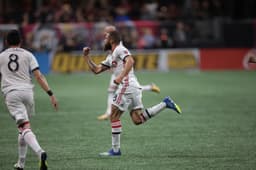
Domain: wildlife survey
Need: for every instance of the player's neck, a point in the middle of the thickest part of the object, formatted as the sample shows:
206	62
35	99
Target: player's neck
113	46
14	46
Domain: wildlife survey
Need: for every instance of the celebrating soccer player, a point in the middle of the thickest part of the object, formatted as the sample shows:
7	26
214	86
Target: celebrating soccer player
113	87
128	94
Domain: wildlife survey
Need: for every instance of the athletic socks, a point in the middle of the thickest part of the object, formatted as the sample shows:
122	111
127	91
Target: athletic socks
31	140
152	111
22	151
116	133
110	100
146	88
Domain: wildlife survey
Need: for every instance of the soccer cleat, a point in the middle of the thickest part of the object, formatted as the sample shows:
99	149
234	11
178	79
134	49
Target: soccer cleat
103	117
17	167
43	163
171	104
155	88
111	153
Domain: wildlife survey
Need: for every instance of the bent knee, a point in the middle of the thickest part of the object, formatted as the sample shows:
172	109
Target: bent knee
136	118
23	125
137	121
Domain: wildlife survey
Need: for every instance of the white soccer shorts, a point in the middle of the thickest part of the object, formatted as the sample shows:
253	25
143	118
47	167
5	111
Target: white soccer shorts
20	104
128	101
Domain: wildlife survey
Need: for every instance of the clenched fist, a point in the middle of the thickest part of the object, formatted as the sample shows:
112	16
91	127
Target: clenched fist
86	51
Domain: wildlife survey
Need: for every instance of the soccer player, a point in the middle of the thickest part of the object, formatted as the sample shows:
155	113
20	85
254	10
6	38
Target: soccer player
16	66
113	87
128	95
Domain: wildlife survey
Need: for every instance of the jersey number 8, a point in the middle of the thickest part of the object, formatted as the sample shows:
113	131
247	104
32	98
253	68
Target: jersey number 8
13	64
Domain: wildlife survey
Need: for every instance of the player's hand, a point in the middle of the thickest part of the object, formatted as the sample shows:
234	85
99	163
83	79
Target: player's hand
86	51
54	102
118	80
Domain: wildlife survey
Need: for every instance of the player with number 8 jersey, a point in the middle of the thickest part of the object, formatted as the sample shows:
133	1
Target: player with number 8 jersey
16	67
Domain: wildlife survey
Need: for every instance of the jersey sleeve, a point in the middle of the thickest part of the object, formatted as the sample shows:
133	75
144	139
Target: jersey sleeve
122	52
33	62
107	62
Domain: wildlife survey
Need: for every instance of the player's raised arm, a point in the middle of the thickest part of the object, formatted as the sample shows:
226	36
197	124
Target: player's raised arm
44	84
93	67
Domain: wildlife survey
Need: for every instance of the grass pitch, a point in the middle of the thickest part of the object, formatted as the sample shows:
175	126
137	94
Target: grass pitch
217	129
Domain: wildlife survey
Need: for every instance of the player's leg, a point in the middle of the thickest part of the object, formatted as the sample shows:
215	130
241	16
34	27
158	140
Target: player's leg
31	140
22	152
150	87
120	104
107	113
18	111
111	91
116	129
139	116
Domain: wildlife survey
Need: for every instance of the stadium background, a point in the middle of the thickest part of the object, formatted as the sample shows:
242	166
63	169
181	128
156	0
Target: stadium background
195	50
56	26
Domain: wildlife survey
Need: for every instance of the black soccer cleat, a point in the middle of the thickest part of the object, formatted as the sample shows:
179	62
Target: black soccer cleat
43	163
17	167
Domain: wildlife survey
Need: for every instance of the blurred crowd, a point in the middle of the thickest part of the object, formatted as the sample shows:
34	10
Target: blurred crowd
46	23
32	11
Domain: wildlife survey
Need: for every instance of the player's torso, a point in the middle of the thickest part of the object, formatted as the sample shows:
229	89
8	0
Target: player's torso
15	69
118	63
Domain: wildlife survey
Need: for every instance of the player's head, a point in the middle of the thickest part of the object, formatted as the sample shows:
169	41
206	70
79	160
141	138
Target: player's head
13	38
112	38
109	29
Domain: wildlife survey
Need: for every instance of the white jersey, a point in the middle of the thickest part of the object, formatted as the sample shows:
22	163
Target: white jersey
16	65
115	60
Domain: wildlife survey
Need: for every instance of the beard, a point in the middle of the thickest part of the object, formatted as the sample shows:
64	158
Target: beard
107	46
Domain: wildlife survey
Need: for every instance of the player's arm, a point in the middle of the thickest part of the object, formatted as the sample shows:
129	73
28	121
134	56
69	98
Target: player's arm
93	67
129	61
44	84
252	59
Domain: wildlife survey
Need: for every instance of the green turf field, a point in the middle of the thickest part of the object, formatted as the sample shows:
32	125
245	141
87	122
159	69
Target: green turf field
217	129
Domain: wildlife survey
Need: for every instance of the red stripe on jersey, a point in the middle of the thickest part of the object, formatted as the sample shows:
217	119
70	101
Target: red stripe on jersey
125	85
119	97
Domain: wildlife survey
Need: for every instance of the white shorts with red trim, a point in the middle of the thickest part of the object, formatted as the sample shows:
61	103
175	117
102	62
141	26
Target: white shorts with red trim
128	101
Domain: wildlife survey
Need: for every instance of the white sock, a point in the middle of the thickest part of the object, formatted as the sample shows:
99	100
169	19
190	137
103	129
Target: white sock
22	150
116	134
152	111
32	142
146	87
116	142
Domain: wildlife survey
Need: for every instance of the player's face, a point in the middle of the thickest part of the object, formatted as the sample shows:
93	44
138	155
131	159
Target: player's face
107	44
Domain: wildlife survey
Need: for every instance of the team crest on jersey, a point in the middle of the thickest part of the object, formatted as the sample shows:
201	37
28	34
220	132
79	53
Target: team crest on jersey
114	63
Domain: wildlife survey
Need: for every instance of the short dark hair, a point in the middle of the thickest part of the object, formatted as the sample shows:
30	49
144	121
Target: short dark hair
13	37
115	36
